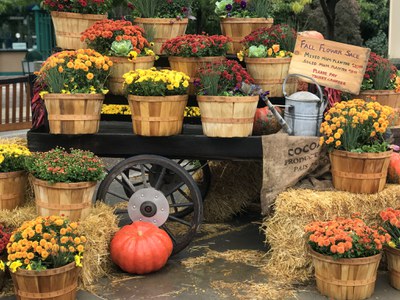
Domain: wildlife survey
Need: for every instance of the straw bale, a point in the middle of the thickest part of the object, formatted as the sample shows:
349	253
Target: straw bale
14	218
284	231
14	140
234	186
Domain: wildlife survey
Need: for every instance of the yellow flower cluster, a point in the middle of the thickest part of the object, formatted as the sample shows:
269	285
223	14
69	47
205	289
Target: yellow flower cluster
153	82
192	111
12	157
263	52
80	71
115	109
148	52
45	243
349	125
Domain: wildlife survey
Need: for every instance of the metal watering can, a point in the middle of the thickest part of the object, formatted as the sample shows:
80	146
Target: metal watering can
303	111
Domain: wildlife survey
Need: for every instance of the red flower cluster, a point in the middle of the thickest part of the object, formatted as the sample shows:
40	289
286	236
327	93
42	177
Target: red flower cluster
280	34
103	33
5	234
345	238
231	76
374	62
78	6
196	45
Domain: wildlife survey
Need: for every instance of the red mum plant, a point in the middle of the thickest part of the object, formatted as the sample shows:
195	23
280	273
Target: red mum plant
196	45
224	78
78	6
116	38
5	234
345	238
391	222
380	74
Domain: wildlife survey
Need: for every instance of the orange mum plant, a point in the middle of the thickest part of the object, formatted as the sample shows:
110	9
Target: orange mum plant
45	243
345	238
391	222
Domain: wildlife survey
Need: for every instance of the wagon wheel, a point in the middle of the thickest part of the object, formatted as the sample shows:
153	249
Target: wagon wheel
160	191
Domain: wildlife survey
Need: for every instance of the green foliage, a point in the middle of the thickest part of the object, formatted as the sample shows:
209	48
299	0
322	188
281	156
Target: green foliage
55	80
146	8
374	148
378	44
374	17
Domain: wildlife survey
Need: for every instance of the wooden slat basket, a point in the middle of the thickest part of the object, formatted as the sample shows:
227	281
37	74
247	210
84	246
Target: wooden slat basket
122	65
73	113
270	73
345	279
393	261
52	284
73	200
12	189
359	172
224	116
157	115
69	26
162	29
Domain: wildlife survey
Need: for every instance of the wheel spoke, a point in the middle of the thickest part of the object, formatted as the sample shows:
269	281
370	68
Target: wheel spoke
160	178
181	204
171	235
118	196
174	203
185	195
128	182
179	220
120	211
174	188
144	176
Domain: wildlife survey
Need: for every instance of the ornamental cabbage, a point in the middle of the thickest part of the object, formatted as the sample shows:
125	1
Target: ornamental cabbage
258	51
121	48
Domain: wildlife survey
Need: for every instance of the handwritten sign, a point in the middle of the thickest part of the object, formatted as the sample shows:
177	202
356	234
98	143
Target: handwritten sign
331	64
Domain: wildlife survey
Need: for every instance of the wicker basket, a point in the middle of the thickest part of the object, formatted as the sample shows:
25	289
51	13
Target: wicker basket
238	28
347	278
162	29
224	116
157	116
73	113
12	189
122	65
393	261
72	200
69	26
359	172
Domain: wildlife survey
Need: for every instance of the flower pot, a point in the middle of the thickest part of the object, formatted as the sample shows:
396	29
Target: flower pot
393	261
162	29
270	73
359	172
224	116
69	26
72	200
190	66
12	189
346	278
55	284
73	113
157	115
384	97
238	28
122	65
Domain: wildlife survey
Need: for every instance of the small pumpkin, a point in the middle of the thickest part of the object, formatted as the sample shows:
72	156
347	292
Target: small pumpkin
394	168
140	248
312	34
265	121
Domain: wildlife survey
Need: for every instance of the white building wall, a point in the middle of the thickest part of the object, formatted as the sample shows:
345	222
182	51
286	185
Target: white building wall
394	30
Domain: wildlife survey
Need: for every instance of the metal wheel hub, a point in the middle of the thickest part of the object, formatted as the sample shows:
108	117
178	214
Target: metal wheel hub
148	205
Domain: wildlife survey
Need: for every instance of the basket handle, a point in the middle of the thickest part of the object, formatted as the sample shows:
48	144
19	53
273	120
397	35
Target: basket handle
321	95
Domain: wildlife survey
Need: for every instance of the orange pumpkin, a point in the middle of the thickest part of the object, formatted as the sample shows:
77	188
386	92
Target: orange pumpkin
140	248
394	168
312	34
265	121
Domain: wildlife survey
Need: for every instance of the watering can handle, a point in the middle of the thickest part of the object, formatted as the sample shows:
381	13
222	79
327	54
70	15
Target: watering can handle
321	95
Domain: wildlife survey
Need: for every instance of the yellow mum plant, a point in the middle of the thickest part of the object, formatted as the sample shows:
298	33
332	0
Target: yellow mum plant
12	157
45	243
356	126
79	71
153	82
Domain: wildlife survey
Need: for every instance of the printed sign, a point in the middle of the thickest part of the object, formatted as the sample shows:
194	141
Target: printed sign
331	64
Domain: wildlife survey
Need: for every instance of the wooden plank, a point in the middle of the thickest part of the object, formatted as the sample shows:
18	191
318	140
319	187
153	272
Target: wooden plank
28	102
15	126
21	101
1	103
331	64
7	102
14	103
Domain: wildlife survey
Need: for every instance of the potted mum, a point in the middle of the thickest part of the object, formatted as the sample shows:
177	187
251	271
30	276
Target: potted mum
13	178
64	182
5	234
354	132
267	53
240	17
226	99
162	19
71	17
391	223
126	46
74	90
381	83
187	53
43	258
157	100
345	255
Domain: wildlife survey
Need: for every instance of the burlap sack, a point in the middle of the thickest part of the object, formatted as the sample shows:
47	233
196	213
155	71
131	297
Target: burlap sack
286	160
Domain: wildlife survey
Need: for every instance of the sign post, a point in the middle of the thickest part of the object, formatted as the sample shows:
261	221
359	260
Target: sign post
331	64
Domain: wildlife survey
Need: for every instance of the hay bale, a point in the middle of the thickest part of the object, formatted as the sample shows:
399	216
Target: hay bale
14	218
234	186
284	231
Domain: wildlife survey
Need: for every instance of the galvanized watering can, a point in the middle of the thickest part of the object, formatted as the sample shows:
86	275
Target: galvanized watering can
303	111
